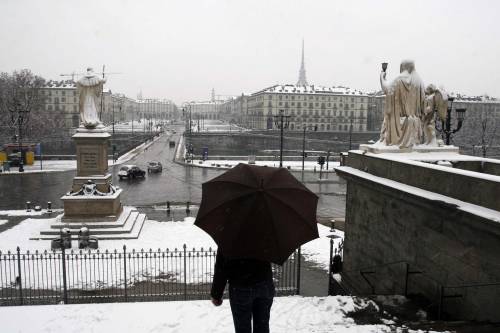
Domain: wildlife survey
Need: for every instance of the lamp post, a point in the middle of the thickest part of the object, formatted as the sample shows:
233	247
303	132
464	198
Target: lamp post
350	133
19	117
303	146
446	124
113	119
282	122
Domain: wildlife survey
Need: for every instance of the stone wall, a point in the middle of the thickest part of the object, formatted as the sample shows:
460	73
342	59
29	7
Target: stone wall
389	230
66	146
268	142
480	191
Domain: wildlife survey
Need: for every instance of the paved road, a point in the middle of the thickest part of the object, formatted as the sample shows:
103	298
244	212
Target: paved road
177	183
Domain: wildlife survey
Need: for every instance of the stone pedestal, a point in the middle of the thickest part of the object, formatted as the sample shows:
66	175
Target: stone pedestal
92	194
379	149
78	208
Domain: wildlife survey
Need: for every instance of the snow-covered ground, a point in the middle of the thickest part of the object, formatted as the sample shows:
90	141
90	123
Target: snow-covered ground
294	165
23	212
288	314
155	235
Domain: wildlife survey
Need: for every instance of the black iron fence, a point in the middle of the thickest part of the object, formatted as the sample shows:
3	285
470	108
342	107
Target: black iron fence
93	276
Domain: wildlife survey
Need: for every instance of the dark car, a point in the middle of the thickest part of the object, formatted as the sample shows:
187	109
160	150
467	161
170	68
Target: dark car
130	171
14	159
154	167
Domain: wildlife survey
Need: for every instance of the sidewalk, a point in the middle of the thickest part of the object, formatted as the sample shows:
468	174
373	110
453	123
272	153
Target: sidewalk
309	166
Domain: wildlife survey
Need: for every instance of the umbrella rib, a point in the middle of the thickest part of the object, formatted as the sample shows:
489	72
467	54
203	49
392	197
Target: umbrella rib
286	204
274	229
228	201
231	182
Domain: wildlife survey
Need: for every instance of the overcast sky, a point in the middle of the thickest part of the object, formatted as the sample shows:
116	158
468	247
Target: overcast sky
182	49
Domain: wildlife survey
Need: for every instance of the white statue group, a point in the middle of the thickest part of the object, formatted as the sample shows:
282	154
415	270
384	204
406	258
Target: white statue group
409	113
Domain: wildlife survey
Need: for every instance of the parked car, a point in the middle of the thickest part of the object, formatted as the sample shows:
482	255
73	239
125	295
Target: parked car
14	159
130	171
154	167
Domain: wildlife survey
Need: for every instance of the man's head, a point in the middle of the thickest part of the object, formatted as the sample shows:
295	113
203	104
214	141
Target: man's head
90	70
407	65
430	89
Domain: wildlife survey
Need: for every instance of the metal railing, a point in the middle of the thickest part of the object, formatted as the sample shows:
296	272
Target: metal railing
93	276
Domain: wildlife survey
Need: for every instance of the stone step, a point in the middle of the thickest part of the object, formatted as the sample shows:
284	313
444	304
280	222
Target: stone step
120	222
133	234
126	227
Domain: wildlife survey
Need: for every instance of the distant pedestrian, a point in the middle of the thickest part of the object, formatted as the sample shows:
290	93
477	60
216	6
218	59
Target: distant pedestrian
251	291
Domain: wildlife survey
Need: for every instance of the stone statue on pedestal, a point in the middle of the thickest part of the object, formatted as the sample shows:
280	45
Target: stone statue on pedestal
436	100
404	104
89	91
410	114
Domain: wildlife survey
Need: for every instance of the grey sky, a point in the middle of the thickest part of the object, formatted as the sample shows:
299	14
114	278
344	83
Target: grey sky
181	49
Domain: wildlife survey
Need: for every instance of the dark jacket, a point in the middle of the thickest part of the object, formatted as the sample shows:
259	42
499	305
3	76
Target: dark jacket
238	272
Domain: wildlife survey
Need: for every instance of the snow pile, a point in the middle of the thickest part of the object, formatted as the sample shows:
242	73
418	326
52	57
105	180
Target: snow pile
293	165
23	212
3	221
288	314
318	250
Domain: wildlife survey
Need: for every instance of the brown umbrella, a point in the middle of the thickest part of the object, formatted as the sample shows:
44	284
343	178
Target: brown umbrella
258	212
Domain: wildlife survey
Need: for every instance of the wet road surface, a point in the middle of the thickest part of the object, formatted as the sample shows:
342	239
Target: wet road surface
177	183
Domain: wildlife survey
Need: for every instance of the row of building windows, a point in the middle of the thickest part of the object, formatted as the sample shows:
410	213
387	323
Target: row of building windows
327	127
50	92
361	106
335	113
310	97
318	98
62	100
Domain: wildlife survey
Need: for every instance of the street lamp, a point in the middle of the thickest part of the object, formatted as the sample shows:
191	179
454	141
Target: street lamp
446	124
282	122
350	133
19	117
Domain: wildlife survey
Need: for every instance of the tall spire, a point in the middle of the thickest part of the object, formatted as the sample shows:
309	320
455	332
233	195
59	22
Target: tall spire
302	72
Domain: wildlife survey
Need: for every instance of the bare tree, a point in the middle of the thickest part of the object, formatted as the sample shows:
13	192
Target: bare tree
485	125
22	97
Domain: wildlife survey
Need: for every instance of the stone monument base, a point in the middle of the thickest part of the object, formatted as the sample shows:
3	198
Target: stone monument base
379	149
81	207
91	152
103	183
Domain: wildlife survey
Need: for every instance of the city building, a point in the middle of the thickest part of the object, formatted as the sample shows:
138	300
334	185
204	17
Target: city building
158	109
313	107
61	97
481	127
206	110
375	117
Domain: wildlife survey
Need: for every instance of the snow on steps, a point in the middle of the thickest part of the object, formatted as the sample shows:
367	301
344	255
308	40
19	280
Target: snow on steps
128	226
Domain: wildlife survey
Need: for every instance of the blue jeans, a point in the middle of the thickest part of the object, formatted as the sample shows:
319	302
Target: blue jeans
253	301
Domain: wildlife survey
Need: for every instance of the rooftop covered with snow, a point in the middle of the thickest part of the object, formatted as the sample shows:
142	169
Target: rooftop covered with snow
310	89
